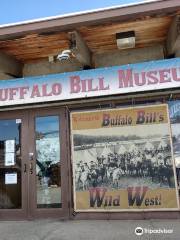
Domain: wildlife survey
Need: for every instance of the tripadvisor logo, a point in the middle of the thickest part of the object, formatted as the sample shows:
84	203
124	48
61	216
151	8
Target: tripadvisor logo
139	231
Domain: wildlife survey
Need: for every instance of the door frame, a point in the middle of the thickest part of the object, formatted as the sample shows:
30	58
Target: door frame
12	214
33	211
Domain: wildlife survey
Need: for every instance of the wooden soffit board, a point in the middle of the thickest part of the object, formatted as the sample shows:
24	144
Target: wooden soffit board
99	38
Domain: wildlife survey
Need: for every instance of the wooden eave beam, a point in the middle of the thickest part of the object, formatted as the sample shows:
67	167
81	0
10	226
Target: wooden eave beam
72	21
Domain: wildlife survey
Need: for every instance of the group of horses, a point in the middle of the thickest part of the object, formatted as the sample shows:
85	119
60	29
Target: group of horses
109	170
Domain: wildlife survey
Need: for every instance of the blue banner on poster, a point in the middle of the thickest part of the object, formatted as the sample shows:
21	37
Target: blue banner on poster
174	112
140	77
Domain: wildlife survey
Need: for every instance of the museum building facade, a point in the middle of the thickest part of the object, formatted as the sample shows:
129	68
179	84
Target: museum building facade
90	114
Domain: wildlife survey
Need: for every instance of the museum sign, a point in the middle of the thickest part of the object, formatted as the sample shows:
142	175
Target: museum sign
140	77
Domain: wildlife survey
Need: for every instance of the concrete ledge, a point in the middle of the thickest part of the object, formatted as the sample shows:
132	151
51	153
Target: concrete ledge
88	230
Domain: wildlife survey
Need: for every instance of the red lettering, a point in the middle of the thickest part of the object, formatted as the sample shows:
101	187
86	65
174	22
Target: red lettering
35	92
56	89
175	75
75	84
4	94
106	119
12	93
138	81
125	78
45	91
23	91
90	85
152	78
101	84
164	75
83	85
138	197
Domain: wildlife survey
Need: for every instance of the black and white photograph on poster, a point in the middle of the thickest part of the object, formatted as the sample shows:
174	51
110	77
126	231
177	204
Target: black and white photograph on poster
116	158
174	112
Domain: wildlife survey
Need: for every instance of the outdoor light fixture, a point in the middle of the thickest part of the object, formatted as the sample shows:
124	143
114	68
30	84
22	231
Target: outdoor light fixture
125	40
64	55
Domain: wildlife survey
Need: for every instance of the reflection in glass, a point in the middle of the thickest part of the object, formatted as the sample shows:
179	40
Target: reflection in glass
48	162
10	164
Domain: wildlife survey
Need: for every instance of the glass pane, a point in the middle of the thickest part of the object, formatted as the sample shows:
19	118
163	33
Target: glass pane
48	177
10	164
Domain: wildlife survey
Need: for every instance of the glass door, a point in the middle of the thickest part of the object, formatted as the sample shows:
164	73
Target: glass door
13	165
48	164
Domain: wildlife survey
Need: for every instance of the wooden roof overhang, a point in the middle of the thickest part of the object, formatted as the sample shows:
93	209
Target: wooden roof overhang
36	40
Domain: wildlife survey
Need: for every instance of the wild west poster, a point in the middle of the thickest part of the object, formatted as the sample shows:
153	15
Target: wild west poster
122	160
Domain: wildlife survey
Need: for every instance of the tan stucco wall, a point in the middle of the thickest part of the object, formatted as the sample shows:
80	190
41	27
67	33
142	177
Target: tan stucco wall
99	60
129	56
44	67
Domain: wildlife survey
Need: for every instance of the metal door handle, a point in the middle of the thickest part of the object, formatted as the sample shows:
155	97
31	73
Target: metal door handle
31	168
31	156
